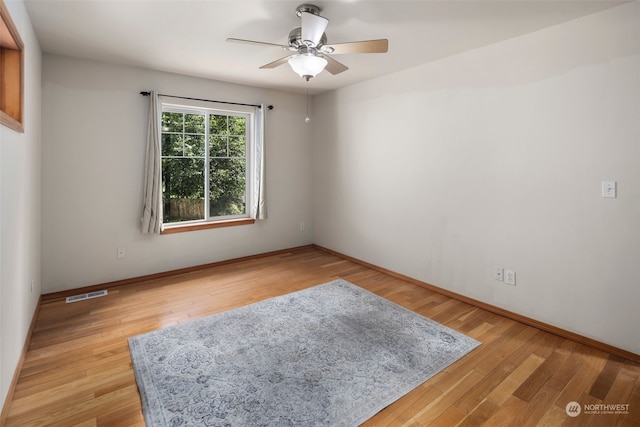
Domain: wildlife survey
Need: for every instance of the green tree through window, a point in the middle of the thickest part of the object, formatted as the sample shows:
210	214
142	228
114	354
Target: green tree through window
204	164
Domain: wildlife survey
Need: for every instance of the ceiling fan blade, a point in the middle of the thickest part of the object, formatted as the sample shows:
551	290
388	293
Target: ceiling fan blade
366	46
232	40
277	62
313	27
333	66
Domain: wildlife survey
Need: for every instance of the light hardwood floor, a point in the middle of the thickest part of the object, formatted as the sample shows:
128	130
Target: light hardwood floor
77	371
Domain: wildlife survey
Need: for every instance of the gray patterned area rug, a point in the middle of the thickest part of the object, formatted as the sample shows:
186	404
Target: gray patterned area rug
331	355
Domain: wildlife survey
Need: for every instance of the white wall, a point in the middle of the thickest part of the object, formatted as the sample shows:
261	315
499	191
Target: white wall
20	193
495	157
94	129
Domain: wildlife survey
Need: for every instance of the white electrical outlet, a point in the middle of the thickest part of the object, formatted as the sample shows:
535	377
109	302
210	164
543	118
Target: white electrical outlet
498	274
122	252
302	226
510	277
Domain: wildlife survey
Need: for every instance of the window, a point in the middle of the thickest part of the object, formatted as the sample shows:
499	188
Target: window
206	164
11	73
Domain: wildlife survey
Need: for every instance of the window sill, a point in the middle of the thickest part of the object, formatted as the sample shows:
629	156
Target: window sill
206	225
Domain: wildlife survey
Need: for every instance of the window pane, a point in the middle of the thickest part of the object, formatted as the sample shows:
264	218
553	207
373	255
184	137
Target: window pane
218	125
186	152
236	146
183	189
171	144
194	145
218	146
227	189
172	122
194	123
237	125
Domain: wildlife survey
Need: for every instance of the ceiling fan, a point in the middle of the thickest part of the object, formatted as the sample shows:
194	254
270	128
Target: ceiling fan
309	44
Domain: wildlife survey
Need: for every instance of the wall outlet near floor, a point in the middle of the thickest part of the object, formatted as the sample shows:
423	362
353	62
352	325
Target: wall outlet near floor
498	274
510	277
302	226
122	252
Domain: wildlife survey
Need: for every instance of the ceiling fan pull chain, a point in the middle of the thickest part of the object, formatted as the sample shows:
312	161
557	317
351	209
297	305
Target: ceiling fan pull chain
307	119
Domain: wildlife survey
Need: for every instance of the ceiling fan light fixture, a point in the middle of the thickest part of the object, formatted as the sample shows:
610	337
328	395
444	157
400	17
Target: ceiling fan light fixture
308	43
307	65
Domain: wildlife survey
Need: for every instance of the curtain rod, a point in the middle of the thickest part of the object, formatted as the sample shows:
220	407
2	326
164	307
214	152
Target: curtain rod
270	107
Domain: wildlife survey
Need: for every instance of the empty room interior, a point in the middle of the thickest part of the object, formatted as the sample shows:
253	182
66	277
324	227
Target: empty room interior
464	170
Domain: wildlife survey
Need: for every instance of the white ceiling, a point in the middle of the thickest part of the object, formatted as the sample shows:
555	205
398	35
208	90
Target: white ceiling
189	37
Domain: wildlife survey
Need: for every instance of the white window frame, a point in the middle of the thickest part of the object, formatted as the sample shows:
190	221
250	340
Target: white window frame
209	108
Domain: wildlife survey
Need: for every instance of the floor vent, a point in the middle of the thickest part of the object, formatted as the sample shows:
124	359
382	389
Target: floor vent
83	297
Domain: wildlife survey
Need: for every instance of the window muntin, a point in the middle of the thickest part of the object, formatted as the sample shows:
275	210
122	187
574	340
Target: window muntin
205	157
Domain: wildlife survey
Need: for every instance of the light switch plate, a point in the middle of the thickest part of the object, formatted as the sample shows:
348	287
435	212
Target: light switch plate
609	189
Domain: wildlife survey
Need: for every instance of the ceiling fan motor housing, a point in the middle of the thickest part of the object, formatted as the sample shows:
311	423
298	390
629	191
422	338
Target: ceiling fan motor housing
309	8
295	39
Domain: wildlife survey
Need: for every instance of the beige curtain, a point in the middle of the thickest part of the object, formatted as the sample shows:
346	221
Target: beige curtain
151	221
260	208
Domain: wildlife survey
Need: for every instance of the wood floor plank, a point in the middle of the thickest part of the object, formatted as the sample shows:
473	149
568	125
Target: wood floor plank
128	415
554	417
413	401
506	412
451	417
536	408
591	362
475	395
561	377
620	393
500	393
480	414
77	370
539	377
606	378
436	407
585	419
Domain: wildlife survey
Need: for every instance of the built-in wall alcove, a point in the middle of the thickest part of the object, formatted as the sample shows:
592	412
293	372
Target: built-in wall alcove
11	73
